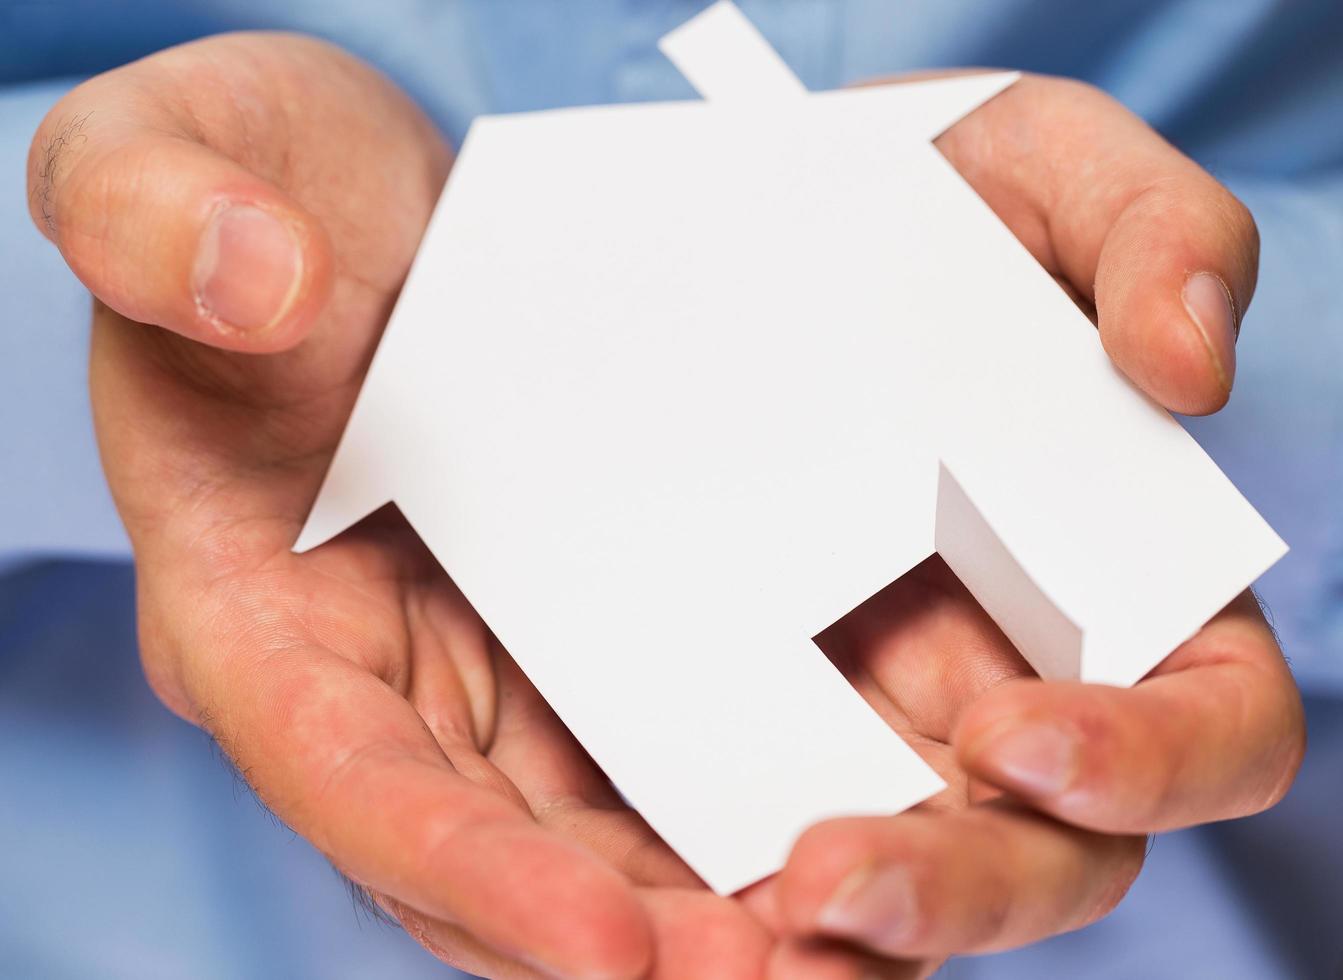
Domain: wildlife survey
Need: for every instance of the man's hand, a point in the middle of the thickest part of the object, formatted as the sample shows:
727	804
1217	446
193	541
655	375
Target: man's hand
1165	260
259	198
1052	786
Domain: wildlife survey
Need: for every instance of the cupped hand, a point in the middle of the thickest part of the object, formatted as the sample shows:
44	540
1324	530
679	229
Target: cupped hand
245	208
1053	786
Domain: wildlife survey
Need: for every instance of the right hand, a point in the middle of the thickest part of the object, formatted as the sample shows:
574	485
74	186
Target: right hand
244	209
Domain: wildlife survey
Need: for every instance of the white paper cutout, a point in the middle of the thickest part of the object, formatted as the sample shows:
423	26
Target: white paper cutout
673	387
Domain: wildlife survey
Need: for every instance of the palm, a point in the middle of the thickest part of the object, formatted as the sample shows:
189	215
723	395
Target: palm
215	455
368	614
374	600
243	442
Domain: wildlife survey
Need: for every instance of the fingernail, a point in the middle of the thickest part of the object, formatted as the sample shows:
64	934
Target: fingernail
875	906
248	268
1038	760
1208	302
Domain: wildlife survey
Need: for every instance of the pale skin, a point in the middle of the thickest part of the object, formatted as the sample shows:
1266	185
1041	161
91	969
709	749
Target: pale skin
371	709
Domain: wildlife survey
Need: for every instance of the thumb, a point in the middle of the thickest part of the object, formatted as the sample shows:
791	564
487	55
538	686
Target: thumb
1167	255
1174	275
166	230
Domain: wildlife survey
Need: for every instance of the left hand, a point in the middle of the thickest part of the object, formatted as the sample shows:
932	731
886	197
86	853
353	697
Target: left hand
1054	785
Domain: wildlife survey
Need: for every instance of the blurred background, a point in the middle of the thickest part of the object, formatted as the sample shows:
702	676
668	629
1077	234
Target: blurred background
128	848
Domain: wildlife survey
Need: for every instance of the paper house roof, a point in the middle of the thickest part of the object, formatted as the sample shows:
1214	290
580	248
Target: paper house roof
673	387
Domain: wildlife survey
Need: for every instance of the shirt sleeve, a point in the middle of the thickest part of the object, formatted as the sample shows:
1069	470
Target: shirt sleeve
55	498
1281	437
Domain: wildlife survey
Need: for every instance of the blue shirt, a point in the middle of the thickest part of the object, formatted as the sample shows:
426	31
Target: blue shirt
119	806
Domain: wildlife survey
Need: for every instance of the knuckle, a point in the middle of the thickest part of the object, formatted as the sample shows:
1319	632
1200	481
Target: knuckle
1295	755
1131	855
192	625
49	159
1244	232
1126	777
349	765
928	911
997	888
73	131
1242	221
446	943
1073	92
813	842
88	192
1286	758
162	680
160	662
832	845
1164	797
1270	722
985	926
225	551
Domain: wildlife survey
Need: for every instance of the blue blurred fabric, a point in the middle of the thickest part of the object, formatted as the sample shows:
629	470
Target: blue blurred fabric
128	850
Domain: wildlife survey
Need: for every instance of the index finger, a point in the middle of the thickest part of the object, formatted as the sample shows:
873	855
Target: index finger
349	764
1217	731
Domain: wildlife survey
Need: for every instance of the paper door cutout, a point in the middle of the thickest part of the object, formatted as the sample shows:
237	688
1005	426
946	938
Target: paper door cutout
673	387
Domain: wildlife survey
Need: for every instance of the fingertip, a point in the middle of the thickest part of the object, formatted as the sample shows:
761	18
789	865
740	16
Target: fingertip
1076	752
997	709
861	880
891	886
899	889
1167	290
1208	303
821	859
1185	366
168	232
1027	739
1175	369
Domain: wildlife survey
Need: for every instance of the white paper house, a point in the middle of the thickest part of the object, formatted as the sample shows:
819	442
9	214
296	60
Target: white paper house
673	387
